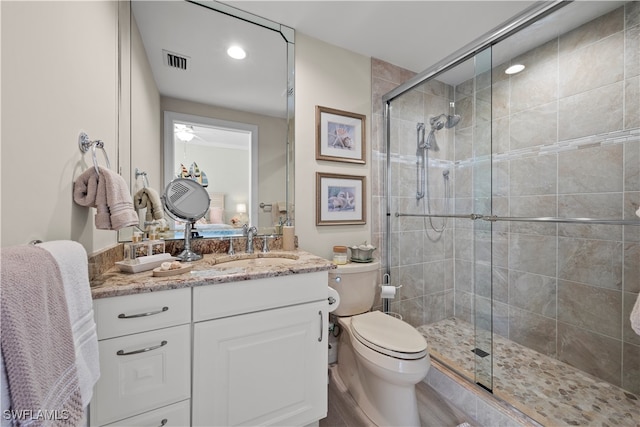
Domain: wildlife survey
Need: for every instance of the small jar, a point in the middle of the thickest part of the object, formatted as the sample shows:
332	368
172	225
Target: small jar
339	255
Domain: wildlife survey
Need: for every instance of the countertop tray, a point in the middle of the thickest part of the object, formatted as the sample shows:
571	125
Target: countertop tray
164	273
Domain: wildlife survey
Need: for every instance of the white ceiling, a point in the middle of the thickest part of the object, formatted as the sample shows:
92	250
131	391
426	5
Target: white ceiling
257	84
410	34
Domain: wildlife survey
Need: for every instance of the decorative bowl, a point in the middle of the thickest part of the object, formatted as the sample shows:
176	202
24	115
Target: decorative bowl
362	253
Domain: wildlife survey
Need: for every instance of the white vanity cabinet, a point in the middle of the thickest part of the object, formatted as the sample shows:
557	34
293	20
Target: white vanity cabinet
260	352
144	342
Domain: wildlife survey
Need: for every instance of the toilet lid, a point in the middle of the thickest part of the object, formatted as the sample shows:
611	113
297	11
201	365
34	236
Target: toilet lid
388	335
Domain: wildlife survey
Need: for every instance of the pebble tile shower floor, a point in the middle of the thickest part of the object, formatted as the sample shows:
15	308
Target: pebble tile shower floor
547	390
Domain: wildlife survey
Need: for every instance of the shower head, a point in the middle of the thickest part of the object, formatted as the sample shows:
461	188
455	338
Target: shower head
444	121
452	121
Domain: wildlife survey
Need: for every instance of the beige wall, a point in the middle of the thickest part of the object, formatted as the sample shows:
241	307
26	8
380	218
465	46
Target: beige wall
330	77
56	83
59	77
146	117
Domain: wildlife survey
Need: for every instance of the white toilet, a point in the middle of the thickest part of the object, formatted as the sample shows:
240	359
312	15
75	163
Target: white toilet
380	358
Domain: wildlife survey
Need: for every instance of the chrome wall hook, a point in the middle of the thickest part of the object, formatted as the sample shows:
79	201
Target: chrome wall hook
84	143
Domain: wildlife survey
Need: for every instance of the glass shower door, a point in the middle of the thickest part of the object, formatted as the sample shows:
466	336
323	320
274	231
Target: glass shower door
483	233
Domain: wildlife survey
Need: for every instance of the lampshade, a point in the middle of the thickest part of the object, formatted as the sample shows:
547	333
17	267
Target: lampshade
241	208
184	136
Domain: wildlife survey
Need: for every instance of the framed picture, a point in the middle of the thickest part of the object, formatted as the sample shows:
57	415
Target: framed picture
340	136
340	199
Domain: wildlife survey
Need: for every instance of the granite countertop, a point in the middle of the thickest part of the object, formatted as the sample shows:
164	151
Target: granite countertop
207	271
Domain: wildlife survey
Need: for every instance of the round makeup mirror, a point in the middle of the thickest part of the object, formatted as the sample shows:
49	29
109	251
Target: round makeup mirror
186	200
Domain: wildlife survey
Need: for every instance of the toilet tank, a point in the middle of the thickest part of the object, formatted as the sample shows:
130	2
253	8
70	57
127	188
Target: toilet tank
356	284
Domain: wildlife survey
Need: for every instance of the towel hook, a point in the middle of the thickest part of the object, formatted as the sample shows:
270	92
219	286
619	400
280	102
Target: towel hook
84	143
145	179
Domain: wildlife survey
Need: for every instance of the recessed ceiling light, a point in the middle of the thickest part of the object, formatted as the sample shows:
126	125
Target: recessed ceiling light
515	68
236	52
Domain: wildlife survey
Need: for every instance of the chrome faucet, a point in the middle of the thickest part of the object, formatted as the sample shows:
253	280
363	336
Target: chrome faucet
249	232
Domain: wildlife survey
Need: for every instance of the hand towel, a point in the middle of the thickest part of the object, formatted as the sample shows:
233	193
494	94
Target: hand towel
71	258
149	198
109	194
119	200
278	211
36	339
635	316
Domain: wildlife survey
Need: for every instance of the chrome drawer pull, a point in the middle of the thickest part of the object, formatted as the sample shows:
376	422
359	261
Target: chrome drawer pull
150	313
144	350
163	422
321	323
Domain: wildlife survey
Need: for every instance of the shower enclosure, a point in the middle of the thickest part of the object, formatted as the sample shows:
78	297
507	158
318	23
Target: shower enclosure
510	203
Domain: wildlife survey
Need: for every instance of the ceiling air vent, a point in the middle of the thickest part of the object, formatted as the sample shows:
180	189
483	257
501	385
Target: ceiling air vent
175	60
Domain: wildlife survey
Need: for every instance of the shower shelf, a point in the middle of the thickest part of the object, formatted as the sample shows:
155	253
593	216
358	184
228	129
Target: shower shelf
493	218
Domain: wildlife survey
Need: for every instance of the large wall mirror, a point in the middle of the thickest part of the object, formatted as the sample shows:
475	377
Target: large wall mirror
197	112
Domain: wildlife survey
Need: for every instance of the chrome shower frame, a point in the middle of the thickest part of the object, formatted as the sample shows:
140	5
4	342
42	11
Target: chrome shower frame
527	17
530	15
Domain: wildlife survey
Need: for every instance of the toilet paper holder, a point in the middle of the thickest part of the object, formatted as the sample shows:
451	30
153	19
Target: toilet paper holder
397	287
385	282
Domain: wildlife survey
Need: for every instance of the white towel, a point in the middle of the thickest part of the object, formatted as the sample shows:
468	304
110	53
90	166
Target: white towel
635	316
72	260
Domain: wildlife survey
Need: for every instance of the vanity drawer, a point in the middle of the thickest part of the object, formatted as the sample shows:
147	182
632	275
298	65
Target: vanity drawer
130	314
230	299
176	415
142	372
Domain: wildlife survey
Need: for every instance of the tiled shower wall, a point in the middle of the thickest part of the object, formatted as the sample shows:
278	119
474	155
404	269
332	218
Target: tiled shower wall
566	143
422	263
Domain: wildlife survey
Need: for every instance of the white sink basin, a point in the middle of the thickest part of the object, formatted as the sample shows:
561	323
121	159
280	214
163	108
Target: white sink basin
257	262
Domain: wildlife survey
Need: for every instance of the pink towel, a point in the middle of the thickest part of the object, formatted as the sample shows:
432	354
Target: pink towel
109	194
37	342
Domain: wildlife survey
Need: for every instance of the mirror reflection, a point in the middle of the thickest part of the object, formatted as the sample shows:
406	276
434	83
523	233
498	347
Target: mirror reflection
219	120
219	155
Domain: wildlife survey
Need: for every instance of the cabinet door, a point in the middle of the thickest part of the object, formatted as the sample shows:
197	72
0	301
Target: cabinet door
264	368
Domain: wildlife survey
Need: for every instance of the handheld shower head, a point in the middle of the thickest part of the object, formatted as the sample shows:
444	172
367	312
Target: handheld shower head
444	121
431	143
437	122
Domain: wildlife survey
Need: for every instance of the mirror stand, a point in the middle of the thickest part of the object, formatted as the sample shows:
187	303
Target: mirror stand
187	254
186	200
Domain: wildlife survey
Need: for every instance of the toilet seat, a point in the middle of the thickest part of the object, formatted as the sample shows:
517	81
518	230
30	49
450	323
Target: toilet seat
388	335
